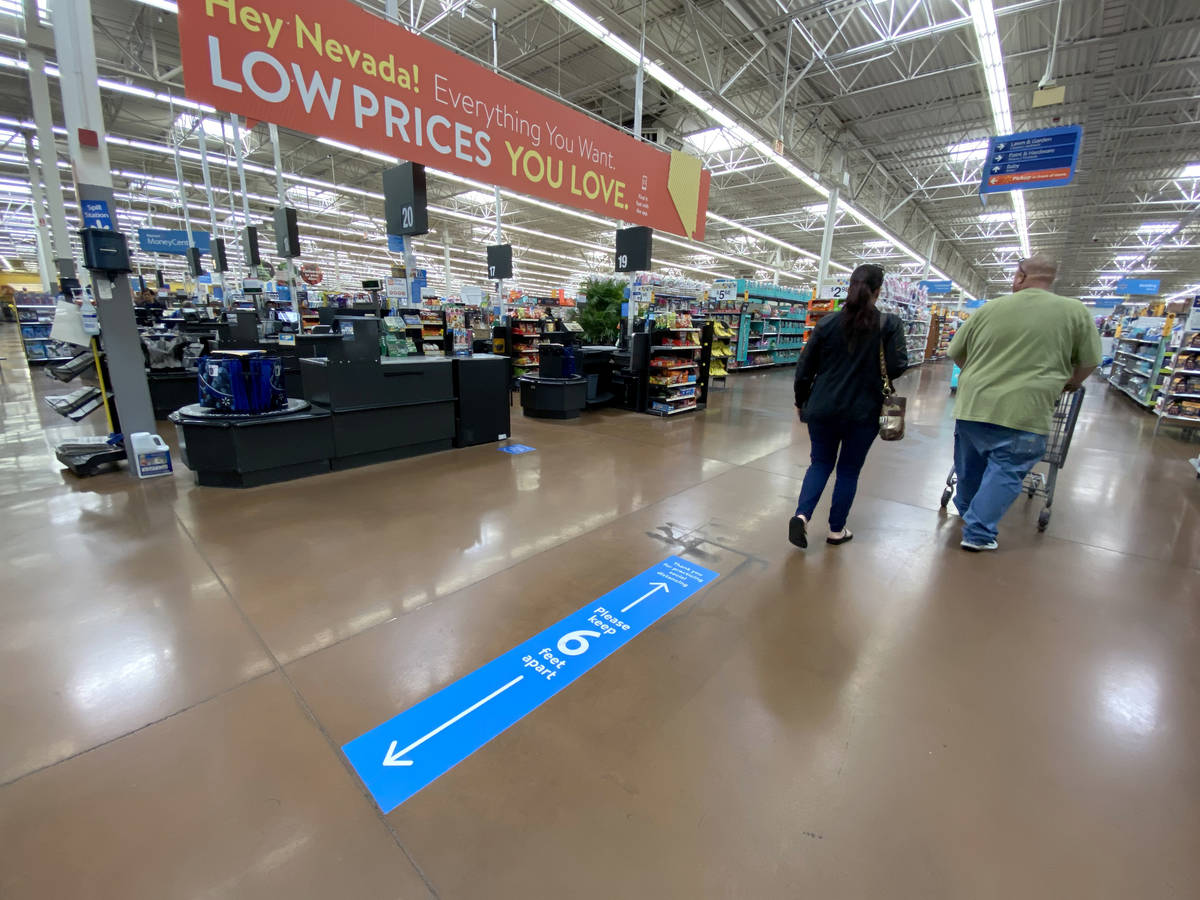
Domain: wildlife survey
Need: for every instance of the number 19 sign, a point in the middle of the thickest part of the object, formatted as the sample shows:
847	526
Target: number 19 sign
405	753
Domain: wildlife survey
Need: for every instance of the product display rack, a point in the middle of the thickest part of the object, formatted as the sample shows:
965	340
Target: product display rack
433	332
947	324
1138	354
917	335
725	324
669	292
910	302
1179	403
677	376
35	321
523	335
771	327
817	310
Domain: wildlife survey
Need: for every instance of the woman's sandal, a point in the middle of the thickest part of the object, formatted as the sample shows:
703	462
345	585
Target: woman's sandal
798	532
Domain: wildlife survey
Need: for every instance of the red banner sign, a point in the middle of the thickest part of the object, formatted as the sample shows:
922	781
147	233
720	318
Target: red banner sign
333	69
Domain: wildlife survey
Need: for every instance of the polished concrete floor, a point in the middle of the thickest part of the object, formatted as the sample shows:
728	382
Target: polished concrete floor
892	718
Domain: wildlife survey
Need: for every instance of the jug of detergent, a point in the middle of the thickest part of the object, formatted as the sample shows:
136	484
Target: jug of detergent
151	455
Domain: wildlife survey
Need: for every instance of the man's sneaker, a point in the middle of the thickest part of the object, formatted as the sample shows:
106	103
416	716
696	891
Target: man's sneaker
979	548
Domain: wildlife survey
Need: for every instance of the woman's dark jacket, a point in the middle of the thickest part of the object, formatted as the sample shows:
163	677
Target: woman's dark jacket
838	378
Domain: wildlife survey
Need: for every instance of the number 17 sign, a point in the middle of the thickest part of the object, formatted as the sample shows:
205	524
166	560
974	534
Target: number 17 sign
405	753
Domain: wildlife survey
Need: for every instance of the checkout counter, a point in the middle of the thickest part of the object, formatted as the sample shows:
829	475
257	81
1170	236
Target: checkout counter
354	409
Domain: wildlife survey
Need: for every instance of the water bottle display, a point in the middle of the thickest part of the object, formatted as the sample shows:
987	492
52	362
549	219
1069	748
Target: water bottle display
235	385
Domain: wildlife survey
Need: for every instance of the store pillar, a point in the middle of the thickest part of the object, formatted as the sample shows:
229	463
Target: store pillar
76	52
45	249
40	41
827	236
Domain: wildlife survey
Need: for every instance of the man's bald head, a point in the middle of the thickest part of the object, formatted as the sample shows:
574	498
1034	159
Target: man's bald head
1037	271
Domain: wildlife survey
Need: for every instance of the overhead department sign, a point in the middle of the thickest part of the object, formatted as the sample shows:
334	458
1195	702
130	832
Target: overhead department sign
336	70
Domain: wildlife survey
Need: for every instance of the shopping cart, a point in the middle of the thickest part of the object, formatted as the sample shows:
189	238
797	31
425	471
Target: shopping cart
1058	442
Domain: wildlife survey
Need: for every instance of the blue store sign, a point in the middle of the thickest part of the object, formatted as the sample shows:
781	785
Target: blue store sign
96	214
1146	286
401	756
169	240
1031	159
938	287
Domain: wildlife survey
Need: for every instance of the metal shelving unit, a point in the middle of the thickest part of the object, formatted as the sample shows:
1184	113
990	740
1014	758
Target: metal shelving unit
1179	403
35	321
1130	374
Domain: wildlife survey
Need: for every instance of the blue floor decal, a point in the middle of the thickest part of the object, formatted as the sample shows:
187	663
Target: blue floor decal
405	753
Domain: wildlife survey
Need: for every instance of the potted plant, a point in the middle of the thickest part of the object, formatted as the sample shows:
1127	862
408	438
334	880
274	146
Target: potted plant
600	315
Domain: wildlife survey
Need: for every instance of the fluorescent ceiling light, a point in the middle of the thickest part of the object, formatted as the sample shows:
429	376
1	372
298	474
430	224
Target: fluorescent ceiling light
875	244
382	157
968	150
217	129
995	217
714	140
304	197
1008	249
479	197
991	57
657	72
164	5
1157	227
1190	291
1192	171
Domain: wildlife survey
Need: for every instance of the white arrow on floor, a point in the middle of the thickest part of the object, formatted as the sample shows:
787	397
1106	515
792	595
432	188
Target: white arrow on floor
658	586
392	758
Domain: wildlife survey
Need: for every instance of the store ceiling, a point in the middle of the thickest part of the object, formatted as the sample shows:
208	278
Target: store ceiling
892	90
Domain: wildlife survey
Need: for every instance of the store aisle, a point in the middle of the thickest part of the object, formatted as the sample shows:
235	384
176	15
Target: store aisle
892	718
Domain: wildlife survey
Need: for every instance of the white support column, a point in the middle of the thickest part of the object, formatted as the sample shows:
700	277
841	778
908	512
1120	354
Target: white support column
39	92
241	168
37	202
827	240
78	82
499	228
446	261
929	256
219	277
183	200
289	267
639	78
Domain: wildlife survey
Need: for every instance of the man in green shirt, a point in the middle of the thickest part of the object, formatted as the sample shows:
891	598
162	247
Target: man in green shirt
1018	353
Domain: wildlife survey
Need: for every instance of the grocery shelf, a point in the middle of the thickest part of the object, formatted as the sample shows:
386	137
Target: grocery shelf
1125	390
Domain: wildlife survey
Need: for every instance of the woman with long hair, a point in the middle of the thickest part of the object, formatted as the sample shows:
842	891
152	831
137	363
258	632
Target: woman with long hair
839	393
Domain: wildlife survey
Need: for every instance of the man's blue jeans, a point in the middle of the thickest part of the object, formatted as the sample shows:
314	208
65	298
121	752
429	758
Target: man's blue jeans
991	462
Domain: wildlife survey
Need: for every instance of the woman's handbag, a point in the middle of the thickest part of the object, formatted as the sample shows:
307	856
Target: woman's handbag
891	417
